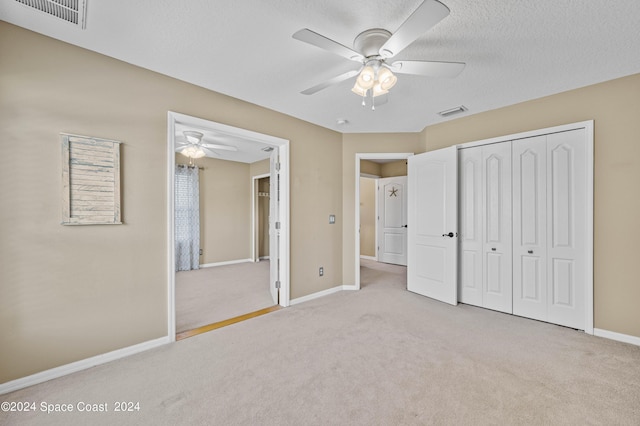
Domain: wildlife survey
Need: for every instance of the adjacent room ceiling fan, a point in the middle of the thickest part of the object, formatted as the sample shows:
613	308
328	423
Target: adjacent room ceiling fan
193	147
375	47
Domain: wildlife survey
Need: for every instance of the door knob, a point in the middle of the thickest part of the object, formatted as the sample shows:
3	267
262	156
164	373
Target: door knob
450	235
530	251
405	226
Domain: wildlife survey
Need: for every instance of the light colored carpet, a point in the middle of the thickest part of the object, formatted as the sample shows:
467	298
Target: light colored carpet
379	356
209	295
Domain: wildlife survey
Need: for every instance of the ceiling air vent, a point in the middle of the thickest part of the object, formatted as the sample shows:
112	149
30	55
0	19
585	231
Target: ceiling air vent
72	11
452	111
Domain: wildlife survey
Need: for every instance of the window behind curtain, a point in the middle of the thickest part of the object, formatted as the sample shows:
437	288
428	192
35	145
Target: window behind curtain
187	218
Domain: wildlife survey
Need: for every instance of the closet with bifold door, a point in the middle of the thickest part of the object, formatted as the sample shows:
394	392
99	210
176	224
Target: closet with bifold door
522	227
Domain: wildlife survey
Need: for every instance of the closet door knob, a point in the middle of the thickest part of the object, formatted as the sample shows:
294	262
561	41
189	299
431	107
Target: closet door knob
450	235
493	249
530	251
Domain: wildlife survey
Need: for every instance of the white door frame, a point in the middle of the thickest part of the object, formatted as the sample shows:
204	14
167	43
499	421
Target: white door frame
368	156
255	255
283	145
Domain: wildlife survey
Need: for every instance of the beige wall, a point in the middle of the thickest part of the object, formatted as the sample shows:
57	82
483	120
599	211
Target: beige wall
394	168
615	108
260	168
225	209
364	143
367	217
370	168
71	292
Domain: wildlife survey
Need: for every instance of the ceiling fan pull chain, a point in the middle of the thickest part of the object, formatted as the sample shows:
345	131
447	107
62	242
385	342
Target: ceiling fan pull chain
373	102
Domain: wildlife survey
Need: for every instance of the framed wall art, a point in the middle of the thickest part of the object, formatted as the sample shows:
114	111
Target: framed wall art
90	180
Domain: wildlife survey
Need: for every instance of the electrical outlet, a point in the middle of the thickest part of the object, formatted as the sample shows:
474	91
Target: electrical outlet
332	219
321	271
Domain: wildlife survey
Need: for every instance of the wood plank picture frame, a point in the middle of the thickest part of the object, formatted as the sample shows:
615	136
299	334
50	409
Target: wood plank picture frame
90	180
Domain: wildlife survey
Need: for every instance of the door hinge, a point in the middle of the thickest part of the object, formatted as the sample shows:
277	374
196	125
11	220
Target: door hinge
277	225
277	167
277	284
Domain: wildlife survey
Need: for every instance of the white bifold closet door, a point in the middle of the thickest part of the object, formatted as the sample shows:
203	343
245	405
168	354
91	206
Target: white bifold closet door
485	226
530	228
550	217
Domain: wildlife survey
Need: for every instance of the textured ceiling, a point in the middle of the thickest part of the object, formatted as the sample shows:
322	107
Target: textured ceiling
514	50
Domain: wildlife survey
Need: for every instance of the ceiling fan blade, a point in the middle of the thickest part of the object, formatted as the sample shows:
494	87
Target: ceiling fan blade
331	82
322	42
210	152
426	16
428	68
216	146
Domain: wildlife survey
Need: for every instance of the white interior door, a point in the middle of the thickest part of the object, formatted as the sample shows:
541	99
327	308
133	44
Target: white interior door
392	220
567	228
530	228
497	245
470	222
274	226
432	225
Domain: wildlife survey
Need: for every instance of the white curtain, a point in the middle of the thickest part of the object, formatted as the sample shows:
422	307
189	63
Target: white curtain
187	203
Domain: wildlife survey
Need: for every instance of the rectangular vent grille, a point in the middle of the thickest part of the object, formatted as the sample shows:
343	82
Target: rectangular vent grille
452	111
72	11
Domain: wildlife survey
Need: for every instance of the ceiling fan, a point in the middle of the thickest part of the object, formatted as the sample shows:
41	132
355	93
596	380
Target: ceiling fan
193	147
374	48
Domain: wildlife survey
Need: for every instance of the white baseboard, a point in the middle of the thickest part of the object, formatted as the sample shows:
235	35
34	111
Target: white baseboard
375	259
616	336
228	262
264	257
350	287
64	370
315	295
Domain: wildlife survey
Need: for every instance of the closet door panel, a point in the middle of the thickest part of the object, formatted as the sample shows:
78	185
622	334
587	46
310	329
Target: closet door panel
470	226
497	247
566	230
529	228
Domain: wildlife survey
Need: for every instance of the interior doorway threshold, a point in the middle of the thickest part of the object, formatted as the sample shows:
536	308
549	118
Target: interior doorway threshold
220	324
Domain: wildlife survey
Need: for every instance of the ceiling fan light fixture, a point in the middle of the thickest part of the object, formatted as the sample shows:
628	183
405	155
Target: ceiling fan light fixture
193	151
379	90
386	78
359	90
367	78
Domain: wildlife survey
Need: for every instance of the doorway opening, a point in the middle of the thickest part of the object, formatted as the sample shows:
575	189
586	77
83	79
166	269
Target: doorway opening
372	166
250	147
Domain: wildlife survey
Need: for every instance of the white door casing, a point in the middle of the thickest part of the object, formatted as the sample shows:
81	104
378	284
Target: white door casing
358	158
496	229
392	220
432	225
283	146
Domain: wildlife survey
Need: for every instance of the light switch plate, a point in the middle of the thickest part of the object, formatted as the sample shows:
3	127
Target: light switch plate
332	219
